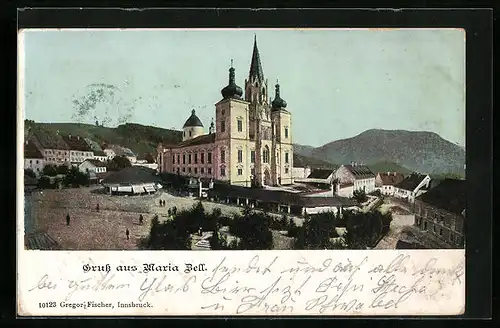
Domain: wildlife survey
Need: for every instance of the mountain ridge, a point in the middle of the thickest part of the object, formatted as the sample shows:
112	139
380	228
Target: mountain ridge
421	151
402	150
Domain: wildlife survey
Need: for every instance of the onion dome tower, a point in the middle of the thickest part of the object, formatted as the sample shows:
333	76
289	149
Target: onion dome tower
232	90
193	127
278	102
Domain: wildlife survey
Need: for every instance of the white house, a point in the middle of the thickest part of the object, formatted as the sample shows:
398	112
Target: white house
116	150
100	155
130	155
385	182
301	172
92	165
95	168
33	158
110	153
79	150
349	178
412	186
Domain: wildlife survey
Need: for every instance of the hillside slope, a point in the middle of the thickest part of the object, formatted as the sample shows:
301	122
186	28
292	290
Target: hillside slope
141	139
421	151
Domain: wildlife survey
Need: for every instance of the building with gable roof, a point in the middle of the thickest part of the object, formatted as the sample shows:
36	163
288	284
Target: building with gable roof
250	142
53	148
385	182
412	186
352	177
33	158
79	149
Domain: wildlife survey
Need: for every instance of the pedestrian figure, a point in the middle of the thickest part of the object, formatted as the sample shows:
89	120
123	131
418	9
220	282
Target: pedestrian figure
67	219
169	212
175	210
140	219
200	233
127	233
161	203
97	207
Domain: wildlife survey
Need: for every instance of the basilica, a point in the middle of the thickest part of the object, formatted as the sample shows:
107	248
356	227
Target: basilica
250	142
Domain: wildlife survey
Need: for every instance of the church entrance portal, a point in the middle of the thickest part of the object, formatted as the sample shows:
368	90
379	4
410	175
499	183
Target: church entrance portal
267	178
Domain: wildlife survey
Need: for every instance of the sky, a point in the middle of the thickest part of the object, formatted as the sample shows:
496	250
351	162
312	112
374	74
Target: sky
337	82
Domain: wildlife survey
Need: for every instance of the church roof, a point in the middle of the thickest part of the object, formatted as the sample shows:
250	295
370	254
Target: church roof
193	120
200	140
256	66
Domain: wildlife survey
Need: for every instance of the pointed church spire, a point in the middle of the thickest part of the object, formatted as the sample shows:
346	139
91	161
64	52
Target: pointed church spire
256	66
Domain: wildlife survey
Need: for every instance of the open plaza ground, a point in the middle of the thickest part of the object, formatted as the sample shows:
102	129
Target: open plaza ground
105	229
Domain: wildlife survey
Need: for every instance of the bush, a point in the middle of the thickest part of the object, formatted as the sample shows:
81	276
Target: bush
30	173
360	196
76	178
364	229
168	236
44	183
293	230
316	231
253	231
118	163
49	170
376	193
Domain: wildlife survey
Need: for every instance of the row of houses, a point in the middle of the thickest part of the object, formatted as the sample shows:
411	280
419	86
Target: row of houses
46	148
351	177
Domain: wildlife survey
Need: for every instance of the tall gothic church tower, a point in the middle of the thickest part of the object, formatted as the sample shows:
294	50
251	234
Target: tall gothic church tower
256	93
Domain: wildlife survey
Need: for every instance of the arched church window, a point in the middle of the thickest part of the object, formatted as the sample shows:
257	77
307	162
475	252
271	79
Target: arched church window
265	155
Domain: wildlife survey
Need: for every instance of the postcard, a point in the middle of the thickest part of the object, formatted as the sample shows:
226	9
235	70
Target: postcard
241	172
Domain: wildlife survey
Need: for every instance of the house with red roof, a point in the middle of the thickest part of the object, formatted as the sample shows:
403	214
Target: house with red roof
385	182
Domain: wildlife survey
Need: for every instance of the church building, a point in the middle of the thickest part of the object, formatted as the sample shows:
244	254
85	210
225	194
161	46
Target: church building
250	143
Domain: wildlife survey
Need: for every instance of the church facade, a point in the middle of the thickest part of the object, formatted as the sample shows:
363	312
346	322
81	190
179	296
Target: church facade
250	142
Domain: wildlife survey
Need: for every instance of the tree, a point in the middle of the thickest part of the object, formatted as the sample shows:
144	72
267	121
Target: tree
44	183
62	169
360	196
292	229
284	222
75	178
149	158
118	163
168	236
363	229
30	173
49	170
253	231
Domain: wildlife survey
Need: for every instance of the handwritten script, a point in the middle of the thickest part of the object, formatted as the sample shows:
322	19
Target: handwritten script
259	283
